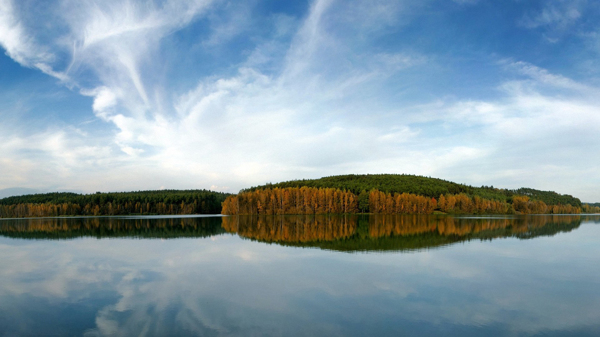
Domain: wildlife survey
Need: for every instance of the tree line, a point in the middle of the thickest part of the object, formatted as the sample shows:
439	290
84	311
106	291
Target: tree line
303	200
120	203
591	208
423	186
312	200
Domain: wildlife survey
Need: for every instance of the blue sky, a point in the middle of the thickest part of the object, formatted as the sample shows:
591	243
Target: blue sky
126	95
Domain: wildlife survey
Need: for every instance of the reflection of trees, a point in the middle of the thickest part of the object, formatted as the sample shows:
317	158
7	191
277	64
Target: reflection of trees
296	228
391	232
64	228
381	225
338	232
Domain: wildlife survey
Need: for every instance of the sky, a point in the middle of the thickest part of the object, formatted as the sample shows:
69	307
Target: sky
224	95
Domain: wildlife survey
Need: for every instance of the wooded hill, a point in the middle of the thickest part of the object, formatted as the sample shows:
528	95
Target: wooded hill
313	200
115	203
396	194
423	186
380	193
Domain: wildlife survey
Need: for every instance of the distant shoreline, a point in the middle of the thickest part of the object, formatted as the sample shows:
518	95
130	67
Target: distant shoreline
349	194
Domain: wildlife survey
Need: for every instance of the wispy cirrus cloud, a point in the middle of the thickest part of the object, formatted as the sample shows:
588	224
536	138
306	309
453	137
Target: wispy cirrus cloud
534	135
559	14
18	43
248	113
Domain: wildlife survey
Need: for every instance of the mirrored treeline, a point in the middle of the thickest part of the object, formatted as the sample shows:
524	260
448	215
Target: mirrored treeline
107	227
332	232
392	232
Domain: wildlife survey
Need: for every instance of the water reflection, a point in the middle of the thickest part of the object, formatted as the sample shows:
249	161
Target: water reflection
391	232
222	285
333	232
106	227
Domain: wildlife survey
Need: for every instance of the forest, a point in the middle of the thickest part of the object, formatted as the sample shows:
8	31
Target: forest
423	186
312	200
371	193
591	208
115	203
303	200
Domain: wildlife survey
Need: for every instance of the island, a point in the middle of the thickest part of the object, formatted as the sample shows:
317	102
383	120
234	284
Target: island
341	194
396	194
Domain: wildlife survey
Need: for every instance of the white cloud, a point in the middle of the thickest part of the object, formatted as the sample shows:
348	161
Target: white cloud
117	40
544	77
556	14
104	99
533	137
250	124
17	43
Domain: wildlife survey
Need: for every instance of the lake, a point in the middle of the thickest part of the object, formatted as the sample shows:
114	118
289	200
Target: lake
353	275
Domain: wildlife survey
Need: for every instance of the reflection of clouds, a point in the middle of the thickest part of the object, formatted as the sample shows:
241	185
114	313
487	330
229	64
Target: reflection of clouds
206	287
246	256
537	288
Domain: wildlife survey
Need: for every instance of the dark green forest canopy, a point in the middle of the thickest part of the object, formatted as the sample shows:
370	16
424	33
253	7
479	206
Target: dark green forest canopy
420	185
55	198
212	200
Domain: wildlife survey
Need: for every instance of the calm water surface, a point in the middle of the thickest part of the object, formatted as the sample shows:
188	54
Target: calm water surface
300	275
